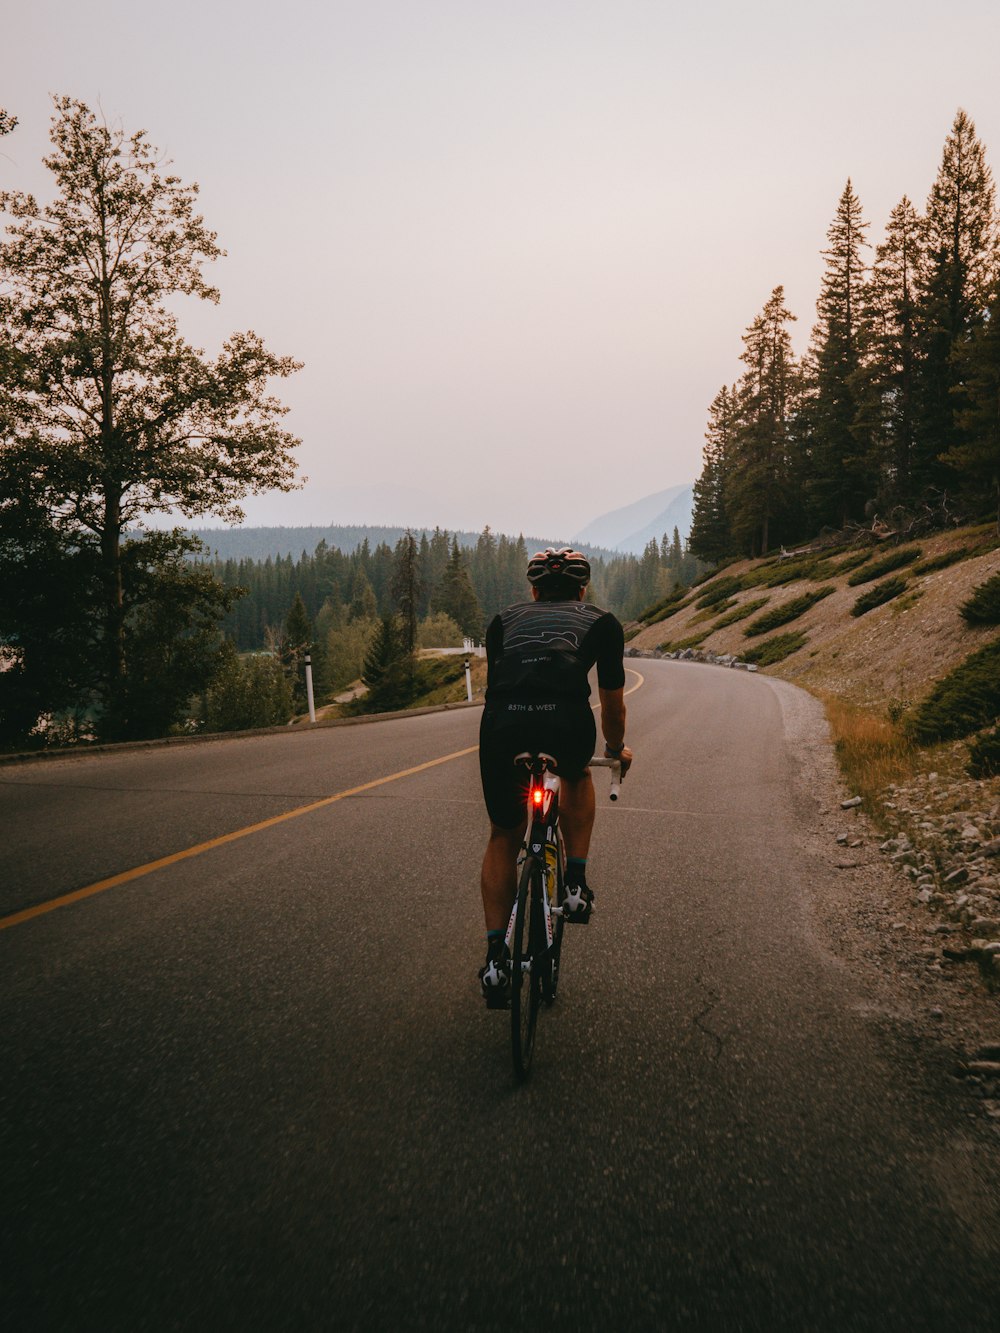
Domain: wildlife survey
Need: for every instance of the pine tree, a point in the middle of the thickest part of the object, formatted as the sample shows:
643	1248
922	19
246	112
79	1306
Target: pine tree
976	457
756	491
710	536
383	652
296	642
406	589
961	244
456	597
841	478
891	363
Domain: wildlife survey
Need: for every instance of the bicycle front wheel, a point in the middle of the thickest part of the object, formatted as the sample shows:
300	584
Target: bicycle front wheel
527	963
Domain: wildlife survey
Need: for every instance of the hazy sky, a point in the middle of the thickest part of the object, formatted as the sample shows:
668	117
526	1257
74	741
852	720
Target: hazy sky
515	242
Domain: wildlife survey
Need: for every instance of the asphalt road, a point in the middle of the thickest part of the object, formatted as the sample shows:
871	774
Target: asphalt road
255	1088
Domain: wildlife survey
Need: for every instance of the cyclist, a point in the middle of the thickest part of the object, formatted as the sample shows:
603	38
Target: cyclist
538	655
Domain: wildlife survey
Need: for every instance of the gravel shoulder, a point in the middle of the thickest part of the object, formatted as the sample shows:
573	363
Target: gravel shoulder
910	956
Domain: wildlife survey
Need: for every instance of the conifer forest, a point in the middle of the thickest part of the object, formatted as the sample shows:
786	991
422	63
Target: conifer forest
892	415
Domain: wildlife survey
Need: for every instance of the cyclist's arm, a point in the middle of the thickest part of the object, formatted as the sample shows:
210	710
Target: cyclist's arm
613	724
613	716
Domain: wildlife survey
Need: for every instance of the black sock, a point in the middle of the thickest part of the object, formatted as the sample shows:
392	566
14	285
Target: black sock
576	870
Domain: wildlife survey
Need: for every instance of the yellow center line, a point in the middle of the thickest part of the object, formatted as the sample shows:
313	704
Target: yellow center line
138	871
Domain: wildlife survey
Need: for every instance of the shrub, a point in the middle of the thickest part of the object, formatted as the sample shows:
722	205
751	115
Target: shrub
781	615
439	631
669	611
983	607
941	561
964	701
692	641
719	591
984	755
903	555
740	613
776	649
710	612
830	569
664	607
247	692
876	596
790	570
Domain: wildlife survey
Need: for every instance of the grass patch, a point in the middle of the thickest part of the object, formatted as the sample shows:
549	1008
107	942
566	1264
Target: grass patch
781	615
775	649
874	752
964	701
903	555
740	613
983	607
878	595
941	561
904	603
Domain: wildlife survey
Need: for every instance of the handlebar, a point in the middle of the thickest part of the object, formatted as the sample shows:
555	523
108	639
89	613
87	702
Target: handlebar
615	765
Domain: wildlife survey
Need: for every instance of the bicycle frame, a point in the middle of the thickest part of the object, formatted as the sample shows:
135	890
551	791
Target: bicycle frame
535	929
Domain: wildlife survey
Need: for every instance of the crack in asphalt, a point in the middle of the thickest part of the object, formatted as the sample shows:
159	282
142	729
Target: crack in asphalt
698	1019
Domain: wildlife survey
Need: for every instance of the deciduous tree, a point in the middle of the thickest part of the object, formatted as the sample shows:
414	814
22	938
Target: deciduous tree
108	414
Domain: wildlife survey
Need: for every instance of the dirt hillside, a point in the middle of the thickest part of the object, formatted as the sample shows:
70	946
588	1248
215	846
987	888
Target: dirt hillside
887	657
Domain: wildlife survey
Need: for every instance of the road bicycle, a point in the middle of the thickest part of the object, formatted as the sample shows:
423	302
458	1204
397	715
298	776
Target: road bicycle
534	934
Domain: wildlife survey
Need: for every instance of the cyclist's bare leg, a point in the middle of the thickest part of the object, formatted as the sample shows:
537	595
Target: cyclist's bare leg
576	814
499	876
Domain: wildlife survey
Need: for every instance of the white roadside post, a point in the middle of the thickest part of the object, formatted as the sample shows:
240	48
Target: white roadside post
468	681
309	688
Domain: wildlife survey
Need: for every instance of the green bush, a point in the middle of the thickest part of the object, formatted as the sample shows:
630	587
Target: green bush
669	611
740	613
719	591
983	607
903	555
941	561
984	755
781	615
876	596
692	641
664	607
247	692
830	569
710	612
776	649
964	701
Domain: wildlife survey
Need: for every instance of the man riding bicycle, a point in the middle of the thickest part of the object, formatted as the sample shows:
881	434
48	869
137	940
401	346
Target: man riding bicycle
539	654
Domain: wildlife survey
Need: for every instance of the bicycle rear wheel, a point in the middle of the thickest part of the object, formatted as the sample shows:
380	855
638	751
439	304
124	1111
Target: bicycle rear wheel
527	963
555	953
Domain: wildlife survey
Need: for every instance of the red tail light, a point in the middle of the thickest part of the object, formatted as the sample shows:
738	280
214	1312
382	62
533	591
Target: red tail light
537	795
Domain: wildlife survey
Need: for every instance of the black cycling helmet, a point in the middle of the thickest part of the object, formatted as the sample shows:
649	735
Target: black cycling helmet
563	564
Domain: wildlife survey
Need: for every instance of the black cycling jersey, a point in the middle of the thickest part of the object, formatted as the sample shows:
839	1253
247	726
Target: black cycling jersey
544	651
539	655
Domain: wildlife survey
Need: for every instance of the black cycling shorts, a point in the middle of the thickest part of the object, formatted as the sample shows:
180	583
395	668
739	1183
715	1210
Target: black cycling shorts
568	732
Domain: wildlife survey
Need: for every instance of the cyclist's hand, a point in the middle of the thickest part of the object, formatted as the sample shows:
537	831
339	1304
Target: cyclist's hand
625	758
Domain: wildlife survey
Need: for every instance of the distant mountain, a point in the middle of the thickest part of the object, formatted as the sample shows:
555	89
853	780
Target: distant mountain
629	529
